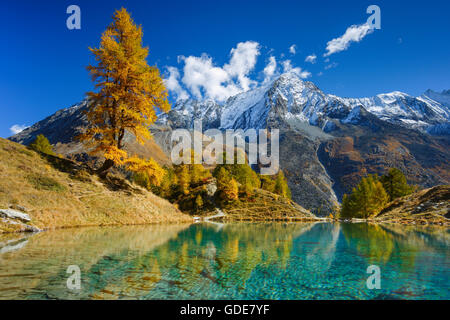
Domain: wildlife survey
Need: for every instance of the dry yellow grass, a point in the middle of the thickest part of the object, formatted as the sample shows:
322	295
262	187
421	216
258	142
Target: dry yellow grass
428	206
57	199
266	206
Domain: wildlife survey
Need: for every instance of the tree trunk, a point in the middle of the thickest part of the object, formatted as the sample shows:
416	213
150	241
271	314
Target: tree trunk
103	170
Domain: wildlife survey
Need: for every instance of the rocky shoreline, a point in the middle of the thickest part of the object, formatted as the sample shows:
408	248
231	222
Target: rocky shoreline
17	220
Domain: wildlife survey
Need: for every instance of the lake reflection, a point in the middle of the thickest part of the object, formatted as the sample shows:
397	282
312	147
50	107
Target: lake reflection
232	261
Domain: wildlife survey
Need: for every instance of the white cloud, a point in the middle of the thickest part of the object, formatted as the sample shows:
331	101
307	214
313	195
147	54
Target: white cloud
331	65
201	76
293	49
15	129
243	60
173	84
270	69
287	67
311	58
353	33
204	79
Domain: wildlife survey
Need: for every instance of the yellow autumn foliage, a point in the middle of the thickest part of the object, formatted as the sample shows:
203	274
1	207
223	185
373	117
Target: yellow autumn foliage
129	92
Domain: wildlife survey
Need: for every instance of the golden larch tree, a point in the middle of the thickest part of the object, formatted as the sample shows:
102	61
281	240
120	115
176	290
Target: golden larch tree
129	92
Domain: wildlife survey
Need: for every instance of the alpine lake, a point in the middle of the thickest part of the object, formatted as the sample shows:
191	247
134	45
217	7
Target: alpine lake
229	261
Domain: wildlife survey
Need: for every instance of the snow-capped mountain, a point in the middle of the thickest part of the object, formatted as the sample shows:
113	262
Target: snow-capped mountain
423	112
294	99
327	143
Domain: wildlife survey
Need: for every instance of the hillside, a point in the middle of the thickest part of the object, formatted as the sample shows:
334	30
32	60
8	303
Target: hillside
266	206
59	193
429	206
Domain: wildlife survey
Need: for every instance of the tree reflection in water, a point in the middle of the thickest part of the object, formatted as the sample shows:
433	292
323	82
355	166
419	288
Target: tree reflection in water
233	261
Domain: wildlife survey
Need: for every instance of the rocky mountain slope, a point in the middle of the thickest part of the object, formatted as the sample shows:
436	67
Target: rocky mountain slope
327	143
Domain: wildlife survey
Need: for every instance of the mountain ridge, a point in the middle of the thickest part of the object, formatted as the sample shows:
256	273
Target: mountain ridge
327	143
308	103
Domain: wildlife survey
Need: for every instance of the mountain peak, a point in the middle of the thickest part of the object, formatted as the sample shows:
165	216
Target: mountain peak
442	98
291	98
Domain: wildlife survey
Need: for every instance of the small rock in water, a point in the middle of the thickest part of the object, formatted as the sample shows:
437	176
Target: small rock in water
14	214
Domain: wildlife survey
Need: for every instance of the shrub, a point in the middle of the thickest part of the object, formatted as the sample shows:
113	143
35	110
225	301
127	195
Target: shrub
281	186
41	144
45	183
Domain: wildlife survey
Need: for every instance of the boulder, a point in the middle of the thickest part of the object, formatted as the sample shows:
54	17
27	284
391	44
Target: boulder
14	214
23	227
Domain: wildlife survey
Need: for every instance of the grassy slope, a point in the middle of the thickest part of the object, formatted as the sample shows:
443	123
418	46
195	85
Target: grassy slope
265	205
429	206
55	198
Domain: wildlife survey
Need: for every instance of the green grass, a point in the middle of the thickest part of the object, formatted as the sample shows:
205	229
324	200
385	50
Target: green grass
45	183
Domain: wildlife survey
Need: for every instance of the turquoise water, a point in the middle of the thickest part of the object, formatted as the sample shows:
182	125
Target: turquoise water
232	261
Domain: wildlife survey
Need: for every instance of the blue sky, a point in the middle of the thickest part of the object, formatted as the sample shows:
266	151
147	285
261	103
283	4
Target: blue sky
43	63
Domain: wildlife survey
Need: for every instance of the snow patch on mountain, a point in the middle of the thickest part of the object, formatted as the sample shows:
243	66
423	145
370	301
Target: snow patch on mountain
291	98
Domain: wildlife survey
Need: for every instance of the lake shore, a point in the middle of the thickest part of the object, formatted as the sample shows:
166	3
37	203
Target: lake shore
59	193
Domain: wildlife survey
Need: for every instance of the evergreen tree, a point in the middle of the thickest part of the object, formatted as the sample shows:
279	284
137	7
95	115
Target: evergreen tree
227	187
184	179
41	144
348	205
223	178
198	202
246	189
197	172
231	193
366	200
129	92
394	182
267	183
141	179
242	173
169	182
281	187
165	189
